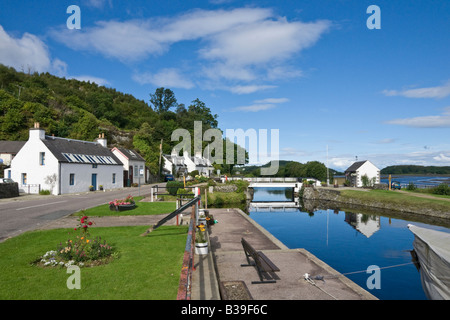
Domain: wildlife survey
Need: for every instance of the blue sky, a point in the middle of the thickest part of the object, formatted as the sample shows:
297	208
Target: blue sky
311	69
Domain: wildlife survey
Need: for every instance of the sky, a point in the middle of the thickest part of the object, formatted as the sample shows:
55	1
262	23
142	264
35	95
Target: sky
335	79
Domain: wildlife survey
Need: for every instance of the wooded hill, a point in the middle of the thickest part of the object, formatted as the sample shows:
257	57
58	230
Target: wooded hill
413	169
81	110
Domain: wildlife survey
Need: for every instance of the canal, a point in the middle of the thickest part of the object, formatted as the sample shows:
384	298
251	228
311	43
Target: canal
349	242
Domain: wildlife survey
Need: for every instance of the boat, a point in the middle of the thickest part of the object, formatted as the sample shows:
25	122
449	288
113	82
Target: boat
432	249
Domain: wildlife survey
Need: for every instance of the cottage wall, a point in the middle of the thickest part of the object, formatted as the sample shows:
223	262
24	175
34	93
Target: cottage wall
82	177
370	170
28	162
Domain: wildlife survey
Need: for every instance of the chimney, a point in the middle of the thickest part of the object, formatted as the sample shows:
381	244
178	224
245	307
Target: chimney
102	140
36	132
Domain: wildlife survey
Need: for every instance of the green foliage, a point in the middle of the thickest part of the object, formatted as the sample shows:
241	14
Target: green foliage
173	186
442	189
76	109
413	169
411	187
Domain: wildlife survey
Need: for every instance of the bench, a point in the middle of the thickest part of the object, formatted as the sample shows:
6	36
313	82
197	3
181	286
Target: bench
260	261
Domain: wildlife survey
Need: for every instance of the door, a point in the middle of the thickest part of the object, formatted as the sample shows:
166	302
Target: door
94	181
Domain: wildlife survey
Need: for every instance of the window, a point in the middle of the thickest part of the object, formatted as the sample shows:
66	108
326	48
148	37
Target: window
94	165
114	178
42	158
24	178
72	179
136	171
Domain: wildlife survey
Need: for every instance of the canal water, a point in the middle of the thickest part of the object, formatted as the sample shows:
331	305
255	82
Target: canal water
349	242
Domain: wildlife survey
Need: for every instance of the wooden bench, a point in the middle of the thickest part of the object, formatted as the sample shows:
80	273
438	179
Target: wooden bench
260	261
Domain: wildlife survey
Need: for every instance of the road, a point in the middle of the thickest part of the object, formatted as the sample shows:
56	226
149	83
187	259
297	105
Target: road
29	212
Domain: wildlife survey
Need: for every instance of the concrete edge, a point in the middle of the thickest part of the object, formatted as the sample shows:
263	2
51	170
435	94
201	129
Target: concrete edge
310	256
264	231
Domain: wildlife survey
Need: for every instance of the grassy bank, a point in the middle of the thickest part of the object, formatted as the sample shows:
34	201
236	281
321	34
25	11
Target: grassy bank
142	208
399	200
147	268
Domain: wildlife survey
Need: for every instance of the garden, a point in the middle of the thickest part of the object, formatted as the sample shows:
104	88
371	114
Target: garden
114	262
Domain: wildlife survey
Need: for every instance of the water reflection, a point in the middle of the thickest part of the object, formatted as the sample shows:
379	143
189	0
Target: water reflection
348	238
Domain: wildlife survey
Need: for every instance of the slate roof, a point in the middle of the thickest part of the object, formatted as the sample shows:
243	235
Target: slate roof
77	151
355	166
131	154
12	147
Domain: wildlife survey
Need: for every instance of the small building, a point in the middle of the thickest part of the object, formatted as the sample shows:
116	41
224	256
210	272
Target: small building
199	163
134	170
174	164
65	165
8	150
357	170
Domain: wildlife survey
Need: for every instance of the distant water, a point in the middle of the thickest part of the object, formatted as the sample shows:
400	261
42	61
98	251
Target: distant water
349	242
419	181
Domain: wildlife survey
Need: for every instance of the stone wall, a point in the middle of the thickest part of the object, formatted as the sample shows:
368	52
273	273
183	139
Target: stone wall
334	195
9	190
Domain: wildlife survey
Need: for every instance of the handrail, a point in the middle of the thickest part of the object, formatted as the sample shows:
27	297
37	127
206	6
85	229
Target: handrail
173	214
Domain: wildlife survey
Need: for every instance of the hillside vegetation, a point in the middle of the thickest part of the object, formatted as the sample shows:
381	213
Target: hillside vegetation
81	110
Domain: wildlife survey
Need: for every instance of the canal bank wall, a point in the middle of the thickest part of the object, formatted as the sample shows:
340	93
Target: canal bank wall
312	194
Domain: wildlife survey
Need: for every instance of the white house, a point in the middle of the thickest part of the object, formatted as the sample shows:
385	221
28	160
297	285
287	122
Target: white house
174	164
185	164
199	163
65	165
134	170
8	150
357	170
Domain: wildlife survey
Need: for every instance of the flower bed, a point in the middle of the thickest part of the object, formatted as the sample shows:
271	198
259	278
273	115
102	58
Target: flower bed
121	205
80	250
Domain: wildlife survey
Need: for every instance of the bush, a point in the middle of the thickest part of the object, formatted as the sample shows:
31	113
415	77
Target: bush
44	192
442	189
173	186
411	186
184	191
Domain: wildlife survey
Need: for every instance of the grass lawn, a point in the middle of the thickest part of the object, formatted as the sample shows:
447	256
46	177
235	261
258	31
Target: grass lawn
147	268
142	208
397	198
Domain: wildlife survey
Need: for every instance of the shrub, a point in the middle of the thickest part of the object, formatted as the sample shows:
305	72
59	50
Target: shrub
442	189
173	186
44	192
411	187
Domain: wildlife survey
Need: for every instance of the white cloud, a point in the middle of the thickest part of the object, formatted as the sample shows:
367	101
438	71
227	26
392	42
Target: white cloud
255	107
28	53
169	77
250	88
442	158
261	105
273	100
439	121
430	92
87	78
243	44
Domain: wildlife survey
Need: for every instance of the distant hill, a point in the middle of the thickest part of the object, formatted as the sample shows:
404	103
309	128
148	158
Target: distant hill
413	169
289	168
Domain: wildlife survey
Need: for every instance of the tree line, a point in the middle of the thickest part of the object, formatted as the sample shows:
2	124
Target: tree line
81	110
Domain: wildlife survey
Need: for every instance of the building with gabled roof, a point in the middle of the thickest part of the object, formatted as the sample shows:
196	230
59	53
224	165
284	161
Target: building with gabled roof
357	170
65	165
134	169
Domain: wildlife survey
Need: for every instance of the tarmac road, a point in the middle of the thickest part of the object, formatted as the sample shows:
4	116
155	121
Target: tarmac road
29	212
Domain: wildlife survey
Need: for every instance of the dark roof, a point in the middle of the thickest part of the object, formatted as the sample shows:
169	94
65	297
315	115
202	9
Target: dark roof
76	151
355	166
131	154
11	146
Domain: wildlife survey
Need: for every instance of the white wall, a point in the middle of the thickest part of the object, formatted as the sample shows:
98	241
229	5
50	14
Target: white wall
371	170
83	177
27	161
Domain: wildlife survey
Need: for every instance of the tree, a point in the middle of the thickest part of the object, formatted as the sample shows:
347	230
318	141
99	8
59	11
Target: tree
162	100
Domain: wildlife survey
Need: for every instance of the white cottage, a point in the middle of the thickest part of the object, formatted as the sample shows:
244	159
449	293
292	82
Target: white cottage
65	165
134	170
357	170
199	163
